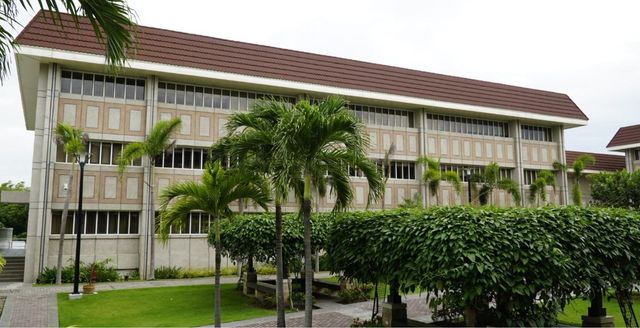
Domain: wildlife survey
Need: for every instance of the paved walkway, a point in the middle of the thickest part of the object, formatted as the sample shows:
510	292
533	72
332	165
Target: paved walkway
29	306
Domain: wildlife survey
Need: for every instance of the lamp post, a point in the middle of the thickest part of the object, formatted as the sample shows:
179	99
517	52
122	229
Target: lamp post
467	175
82	158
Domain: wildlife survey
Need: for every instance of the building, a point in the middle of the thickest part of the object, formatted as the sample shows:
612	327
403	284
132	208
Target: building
603	163
627	140
466	123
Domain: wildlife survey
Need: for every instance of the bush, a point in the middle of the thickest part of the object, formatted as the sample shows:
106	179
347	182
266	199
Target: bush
267	302
166	272
104	273
198	273
266	269
297	298
376	322
528	262
357	292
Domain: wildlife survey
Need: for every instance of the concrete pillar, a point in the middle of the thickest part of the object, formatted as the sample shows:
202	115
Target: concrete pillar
143	224
562	158
421	121
514	132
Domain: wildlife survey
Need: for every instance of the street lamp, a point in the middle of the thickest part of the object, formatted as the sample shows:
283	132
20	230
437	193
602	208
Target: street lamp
467	175
82	158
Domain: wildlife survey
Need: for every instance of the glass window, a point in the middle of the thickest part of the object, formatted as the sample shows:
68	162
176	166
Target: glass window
115	154
140	89
385	117
189	95
168	159
195	222
171	93
180	94
113	222
204	223
109	86
61	156
199	95
187	158
225	100
123	225
233	100
130	91
98	86
94	152
208	96
87	85
217	95
102	223
120	85
106	153
251	100
162	92
197	159
177	158
90	222
65	83
133	222
76	83
242	101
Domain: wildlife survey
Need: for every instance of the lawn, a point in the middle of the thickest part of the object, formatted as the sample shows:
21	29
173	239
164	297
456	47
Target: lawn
163	306
574	311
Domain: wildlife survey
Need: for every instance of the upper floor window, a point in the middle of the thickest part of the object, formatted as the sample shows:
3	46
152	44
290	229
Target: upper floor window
466	171
466	125
98	85
537	133
398	170
105	153
190	95
383	116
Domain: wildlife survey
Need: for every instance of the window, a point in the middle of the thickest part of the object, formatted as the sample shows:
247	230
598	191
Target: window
193	223
183	157
466	171
399	170
382	116
105	153
98	222
189	95
637	157
466	125
530	176
96	85
537	133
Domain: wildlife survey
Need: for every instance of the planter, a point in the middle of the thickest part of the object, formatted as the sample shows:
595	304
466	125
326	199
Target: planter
89	289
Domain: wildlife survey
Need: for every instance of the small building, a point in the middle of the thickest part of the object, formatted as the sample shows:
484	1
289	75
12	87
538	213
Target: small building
627	140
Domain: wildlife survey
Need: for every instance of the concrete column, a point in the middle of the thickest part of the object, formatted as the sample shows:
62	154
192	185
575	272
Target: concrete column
514	132
41	172
143	228
421	120
562	158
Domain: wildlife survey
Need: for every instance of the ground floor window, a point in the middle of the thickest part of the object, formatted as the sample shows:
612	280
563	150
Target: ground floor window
98	222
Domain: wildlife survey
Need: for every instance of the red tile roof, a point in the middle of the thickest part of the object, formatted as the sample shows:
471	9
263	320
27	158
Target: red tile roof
627	135
604	162
189	50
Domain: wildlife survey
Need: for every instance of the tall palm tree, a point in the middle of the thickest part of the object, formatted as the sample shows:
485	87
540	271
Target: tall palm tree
214	195
578	167
251	140
74	143
538	189
386	171
112	22
433	175
154	145
490	180
323	138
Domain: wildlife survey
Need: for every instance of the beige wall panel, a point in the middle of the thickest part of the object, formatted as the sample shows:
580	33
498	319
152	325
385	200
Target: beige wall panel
544	154
488	150
166	116
534	154
500	151
222	126
510	152
69	112
179	252
92	117
431	142
400	142
478	149
388	196
185	126
89	188
135	120
386	141
114	118
360	198
444	146
204	126
413	143
373	141
400	195
467	148
133	187
525	153
110	187
455	147
62	179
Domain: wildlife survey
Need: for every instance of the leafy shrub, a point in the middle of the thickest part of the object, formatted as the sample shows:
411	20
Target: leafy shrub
198	273
104	273
134	275
356	292
267	302
166	272
266	269
528	262
376	322
297	299
229	271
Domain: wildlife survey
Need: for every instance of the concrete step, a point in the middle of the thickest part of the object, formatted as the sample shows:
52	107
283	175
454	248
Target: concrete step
13	269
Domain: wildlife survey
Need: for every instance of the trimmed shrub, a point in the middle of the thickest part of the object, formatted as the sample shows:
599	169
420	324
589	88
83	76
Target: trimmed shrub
104	273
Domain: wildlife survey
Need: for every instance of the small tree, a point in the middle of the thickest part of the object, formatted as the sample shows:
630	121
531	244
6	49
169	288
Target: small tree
74	142
578	167
490	180
154	145
538	189
433	175
214	195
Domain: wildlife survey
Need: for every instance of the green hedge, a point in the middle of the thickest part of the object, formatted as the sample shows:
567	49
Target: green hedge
254	235
529	262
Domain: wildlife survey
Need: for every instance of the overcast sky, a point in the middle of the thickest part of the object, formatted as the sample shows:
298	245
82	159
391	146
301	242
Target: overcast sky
588	50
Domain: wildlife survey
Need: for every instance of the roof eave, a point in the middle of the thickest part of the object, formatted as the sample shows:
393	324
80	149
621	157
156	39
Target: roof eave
623	147
70	56
28	69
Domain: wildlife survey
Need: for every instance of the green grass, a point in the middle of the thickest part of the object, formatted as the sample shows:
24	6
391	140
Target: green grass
163	306
574	311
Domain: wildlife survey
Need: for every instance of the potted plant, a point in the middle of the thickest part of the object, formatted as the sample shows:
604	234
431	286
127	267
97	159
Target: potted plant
90	288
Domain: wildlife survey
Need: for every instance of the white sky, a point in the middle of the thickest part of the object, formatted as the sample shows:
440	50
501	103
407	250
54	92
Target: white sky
588	50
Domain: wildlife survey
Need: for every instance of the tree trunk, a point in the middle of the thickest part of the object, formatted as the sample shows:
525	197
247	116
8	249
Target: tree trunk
63	224
308	268
151	274
280	268
217	279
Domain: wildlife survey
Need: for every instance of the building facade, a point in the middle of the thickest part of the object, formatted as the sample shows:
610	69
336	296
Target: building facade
627	140
465	123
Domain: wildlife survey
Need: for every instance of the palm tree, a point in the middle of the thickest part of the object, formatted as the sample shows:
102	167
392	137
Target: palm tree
578	167
490	180
214	195
74	143
323	138
538	189
386	171
154	145
112	22
433	175
251	140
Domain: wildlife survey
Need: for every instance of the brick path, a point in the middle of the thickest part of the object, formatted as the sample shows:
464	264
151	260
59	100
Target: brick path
29	306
